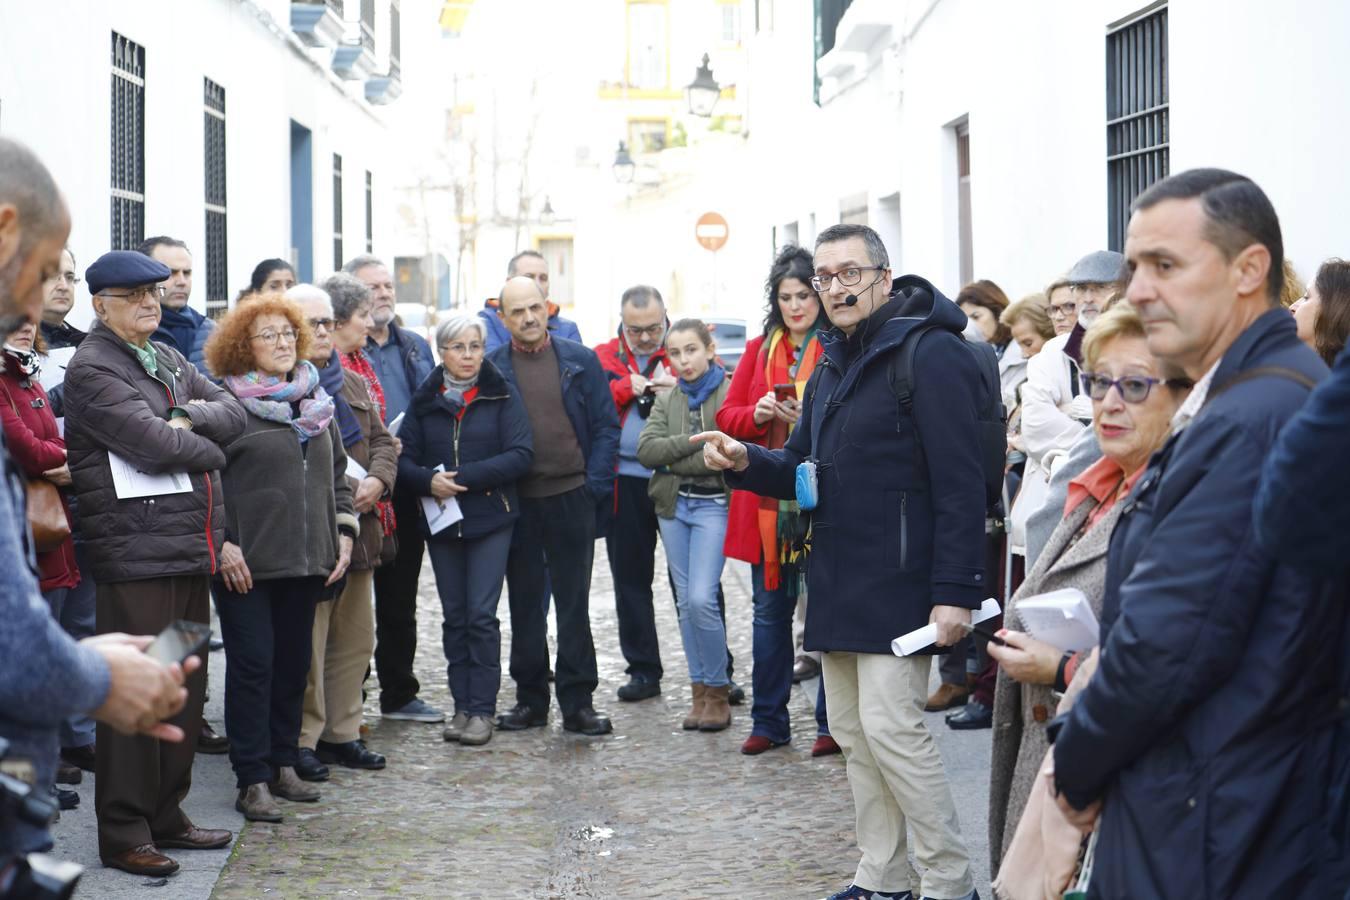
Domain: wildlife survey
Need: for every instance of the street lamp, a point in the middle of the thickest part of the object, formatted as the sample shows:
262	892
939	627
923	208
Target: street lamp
703	91
624	167
546	215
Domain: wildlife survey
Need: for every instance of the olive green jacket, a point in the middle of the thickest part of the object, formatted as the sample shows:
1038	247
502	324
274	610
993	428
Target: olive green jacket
664	448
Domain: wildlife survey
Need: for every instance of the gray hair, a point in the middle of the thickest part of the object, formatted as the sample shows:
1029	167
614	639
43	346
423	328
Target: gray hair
511	266
357	263
303	293
347	293
456	324
640	296
876	250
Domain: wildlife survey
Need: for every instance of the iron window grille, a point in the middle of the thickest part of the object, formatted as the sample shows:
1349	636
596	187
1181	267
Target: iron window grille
368	25
395	41
127	220
828	14
1138	132
337	211
217	251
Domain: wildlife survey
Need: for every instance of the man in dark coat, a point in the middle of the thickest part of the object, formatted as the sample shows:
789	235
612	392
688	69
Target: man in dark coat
180	326
1205	738
564	502
1302	516
897	541
135	406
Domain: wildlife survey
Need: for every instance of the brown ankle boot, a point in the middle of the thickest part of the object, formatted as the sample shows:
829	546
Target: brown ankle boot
946	696
716	709
691	721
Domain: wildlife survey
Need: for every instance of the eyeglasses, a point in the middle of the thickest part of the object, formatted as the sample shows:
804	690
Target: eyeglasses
270	338
463	349
156	291
637	332
325	324
1133	388
1062	309
847	277
68	277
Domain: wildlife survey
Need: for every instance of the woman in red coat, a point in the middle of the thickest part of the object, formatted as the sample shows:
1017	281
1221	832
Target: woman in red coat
762	407
36	446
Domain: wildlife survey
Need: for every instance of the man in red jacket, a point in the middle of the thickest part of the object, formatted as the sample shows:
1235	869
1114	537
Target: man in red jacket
635	362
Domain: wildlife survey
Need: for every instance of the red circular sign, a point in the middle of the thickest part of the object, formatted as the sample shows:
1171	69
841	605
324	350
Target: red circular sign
711	231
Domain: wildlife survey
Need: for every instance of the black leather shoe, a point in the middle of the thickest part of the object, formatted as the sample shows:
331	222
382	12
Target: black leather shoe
210	742
309	768
67	800
587	721
352	754
736	696
520	717
974	715
639	689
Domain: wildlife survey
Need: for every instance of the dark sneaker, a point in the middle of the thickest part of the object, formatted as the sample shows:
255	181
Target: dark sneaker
639	689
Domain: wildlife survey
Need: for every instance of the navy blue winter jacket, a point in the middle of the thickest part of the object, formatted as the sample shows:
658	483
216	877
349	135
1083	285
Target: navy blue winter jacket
186	330
900	523
489	447
1208	728
1302	516
590	409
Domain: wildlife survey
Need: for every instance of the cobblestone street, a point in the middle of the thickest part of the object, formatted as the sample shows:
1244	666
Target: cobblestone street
648	811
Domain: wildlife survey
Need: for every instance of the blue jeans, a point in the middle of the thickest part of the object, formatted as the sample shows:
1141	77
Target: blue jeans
469	576
693	540
773	657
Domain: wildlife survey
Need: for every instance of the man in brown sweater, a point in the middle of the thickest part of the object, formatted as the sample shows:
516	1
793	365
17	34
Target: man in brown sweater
565	499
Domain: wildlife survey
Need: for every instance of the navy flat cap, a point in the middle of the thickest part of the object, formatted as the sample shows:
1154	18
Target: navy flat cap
124	269
1098	267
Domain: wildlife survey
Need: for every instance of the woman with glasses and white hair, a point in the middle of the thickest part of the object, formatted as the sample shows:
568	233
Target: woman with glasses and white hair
290	524
466	438
1133	401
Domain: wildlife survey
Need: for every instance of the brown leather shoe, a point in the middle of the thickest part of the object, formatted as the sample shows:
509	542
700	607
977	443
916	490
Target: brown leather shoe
82	757
142	860
804	669
195	838
288	786
716	708
210	742
696	711
68	774
947	696
257	805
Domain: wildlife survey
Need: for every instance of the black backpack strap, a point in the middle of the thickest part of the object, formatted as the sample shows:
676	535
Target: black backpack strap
901	368
1284	372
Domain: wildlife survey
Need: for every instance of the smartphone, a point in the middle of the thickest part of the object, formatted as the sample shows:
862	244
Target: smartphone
785	392
179	641
983	632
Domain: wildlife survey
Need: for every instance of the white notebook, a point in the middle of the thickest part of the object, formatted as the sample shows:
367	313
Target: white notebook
1062	619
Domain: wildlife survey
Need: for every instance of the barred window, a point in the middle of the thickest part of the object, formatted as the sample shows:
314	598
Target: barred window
1137	128
128	143
337	211
370	213
217	265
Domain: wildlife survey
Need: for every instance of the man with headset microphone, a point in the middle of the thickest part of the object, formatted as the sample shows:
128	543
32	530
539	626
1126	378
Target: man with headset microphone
898	500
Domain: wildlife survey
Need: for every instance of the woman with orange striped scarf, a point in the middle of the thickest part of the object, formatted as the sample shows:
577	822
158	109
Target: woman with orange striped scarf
762	407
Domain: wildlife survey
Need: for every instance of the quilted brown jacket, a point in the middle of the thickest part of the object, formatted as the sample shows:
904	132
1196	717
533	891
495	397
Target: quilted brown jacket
113	404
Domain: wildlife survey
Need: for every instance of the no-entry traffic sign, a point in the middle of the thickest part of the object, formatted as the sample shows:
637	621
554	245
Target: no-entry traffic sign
711	231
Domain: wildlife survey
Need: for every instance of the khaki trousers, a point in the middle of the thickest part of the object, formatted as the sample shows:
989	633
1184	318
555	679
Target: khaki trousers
344	639
139	781
876	714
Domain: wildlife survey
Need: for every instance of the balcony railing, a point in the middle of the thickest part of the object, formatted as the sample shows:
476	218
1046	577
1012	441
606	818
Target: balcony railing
317	23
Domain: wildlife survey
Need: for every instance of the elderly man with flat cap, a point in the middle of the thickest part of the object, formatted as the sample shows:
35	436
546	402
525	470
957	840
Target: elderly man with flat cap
135	405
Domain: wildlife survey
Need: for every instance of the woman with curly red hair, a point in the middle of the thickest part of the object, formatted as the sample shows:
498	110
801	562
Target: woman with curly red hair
289	527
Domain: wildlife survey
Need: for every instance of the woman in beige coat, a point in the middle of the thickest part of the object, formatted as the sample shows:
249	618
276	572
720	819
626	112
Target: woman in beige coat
1133	402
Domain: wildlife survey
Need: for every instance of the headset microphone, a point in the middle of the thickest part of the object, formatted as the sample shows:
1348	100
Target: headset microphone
851	300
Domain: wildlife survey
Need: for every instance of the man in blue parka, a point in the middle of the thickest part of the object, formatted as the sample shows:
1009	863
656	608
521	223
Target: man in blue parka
1302	516
1205	737
897	541
532	265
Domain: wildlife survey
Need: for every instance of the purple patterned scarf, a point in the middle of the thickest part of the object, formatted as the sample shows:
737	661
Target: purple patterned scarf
270	397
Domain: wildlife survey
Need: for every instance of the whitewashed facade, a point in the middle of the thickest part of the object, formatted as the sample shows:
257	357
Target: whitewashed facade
274	60
1253	87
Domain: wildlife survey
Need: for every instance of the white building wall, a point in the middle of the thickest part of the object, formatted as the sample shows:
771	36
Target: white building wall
55	74
1252	88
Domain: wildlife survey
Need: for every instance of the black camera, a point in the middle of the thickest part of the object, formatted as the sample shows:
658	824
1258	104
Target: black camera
645	401
32	875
